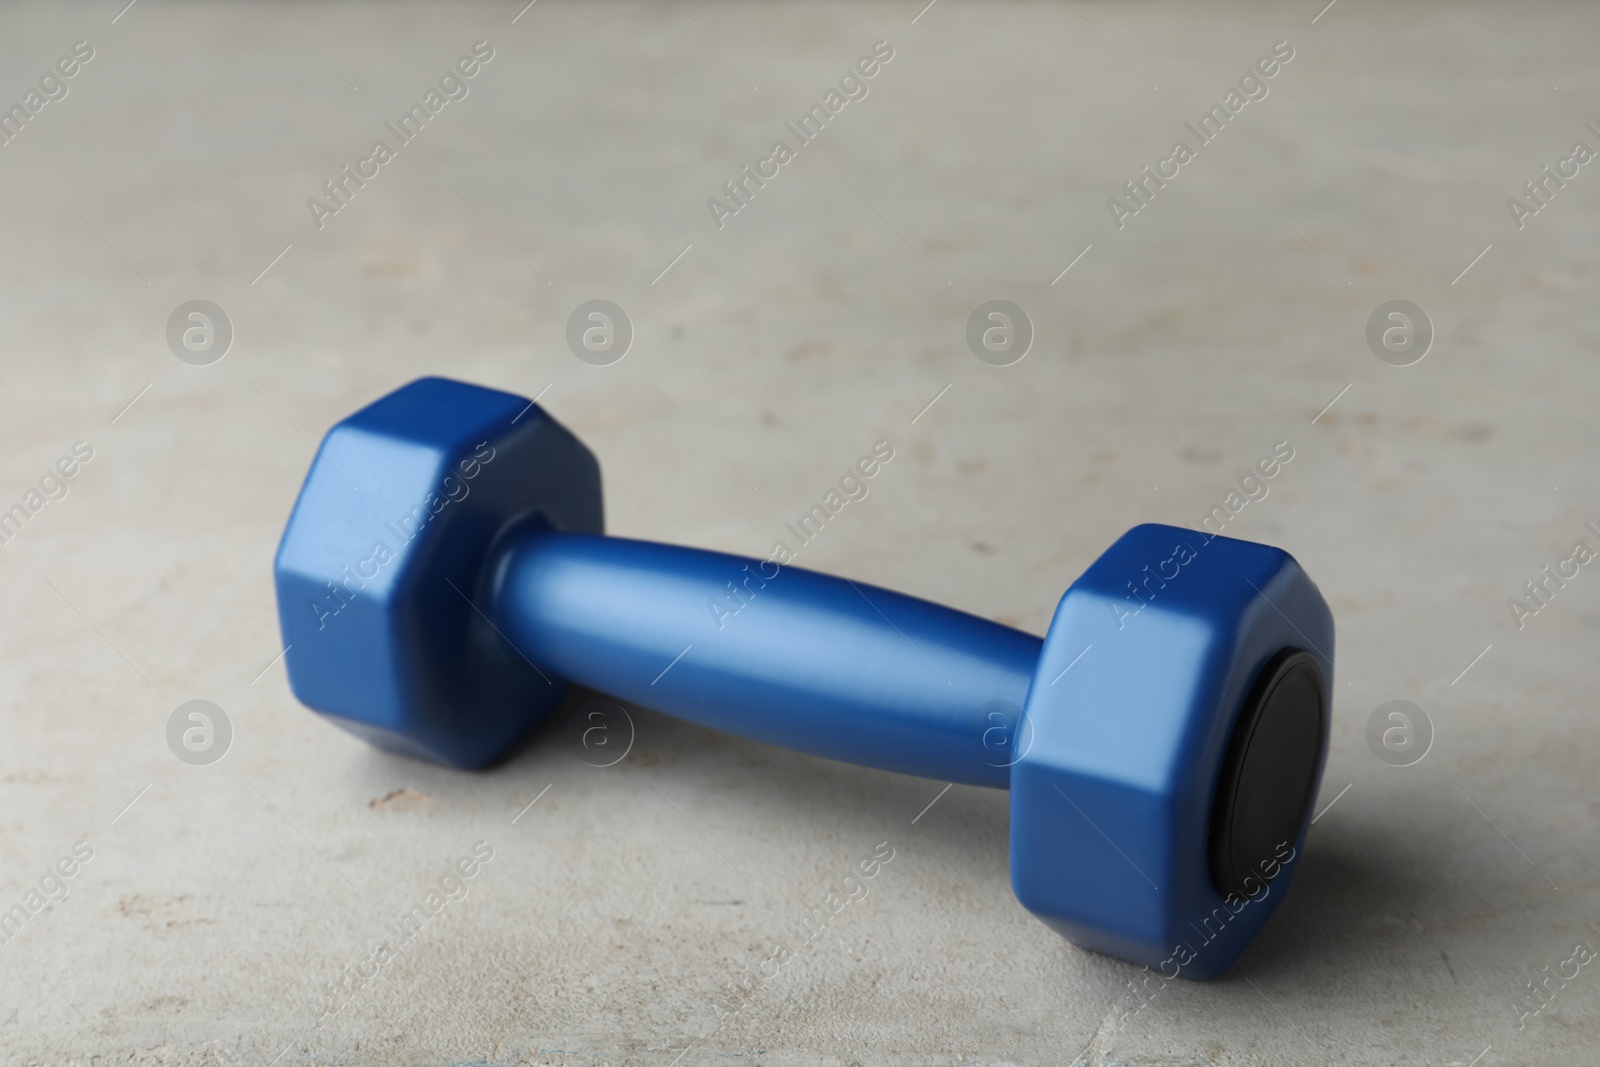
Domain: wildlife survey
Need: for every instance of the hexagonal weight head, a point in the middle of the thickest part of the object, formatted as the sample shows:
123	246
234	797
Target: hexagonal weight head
389	553
1117	839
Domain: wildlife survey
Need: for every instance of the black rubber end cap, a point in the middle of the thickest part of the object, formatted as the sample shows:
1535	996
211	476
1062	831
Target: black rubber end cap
1264	791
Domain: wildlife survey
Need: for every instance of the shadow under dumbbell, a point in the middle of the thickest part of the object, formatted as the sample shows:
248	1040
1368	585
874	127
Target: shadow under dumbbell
1358	897
792	791
1351	893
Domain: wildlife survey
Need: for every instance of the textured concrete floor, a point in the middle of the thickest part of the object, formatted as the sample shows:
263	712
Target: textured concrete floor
618	913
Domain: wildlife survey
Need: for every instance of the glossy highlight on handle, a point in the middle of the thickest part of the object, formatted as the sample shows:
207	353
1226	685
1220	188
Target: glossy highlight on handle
812	662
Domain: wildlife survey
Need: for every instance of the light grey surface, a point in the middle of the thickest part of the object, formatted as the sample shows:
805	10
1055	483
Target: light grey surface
619	911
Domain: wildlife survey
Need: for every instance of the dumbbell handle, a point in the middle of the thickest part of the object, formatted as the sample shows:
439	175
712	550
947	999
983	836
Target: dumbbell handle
794	658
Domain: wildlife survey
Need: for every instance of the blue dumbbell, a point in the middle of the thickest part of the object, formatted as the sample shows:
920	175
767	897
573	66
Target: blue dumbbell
444	576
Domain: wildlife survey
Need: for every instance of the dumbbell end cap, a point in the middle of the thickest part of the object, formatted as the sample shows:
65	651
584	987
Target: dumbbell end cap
384	574
1161	807
1266	781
